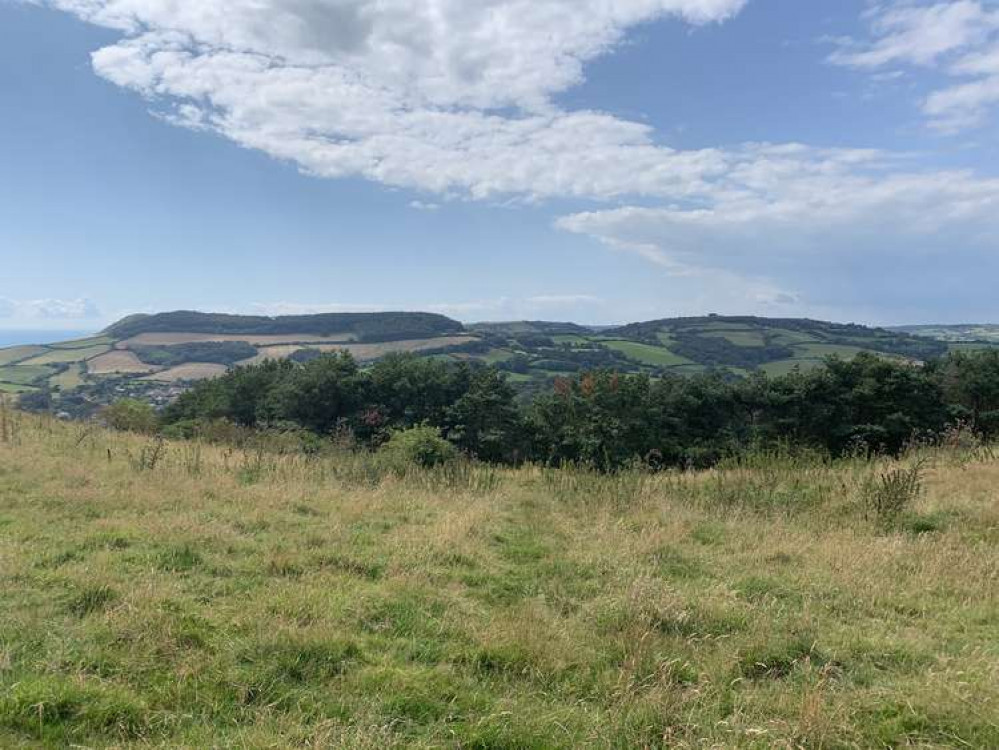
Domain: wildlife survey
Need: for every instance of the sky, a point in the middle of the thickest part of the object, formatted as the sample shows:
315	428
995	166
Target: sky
602	161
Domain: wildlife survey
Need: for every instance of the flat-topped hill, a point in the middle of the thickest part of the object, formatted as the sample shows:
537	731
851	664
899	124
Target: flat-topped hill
382	326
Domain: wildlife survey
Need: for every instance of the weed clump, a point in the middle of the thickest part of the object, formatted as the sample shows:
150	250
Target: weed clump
888	495
91	598
179	559
778	660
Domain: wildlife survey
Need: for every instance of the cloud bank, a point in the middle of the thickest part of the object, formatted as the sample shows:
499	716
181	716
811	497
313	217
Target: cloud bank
457	100
48	309
959	38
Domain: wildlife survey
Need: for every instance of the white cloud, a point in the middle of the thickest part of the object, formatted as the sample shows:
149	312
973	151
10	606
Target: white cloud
446	96
275	309
958	37
48	309
560	300
455	98
505	307
545	306
424	206
807	236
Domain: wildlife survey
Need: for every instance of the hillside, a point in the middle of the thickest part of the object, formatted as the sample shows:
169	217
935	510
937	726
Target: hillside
532	350
155	355
955	333
188	595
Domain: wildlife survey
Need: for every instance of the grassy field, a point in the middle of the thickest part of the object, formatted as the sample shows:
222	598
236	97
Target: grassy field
647	354
740	338
83	343
18	353
24	374
59	356
189	371
118	361
14	388
186	596
70	378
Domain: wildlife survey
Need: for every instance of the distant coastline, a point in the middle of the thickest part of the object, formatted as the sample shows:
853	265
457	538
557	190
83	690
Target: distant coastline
16	337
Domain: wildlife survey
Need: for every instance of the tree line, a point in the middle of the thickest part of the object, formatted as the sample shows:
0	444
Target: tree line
604	419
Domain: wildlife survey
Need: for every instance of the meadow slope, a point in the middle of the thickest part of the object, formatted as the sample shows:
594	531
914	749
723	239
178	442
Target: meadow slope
183	595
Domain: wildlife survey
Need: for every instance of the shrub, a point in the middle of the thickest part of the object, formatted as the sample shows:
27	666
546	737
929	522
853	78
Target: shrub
131	415
420	446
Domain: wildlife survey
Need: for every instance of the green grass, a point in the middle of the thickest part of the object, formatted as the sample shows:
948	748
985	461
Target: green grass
647	354
24	374
666	339
739	338
784	366
83	343
321	602
70	378
17	353
820	351
60	356
495	355
789	337
13	388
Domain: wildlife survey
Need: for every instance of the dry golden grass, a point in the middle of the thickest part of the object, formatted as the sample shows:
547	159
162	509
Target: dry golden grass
187	596
189	371
59	356
18	353
69	379
363	352
118	362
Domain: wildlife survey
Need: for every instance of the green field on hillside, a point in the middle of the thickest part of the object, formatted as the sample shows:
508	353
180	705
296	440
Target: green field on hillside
25	374
646	354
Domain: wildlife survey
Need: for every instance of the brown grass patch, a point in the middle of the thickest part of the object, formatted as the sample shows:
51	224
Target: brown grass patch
19	353
60	356
363	352
118	362
189	371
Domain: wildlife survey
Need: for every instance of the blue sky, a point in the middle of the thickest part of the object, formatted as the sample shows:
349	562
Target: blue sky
493	160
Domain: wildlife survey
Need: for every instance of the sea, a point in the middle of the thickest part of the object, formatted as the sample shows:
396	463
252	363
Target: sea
13	337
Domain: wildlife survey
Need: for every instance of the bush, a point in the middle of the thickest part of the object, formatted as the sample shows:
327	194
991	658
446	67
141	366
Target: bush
131	415
420	446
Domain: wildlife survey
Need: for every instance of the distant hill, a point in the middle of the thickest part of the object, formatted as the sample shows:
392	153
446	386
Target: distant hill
738	344
388	326
154	356
968	333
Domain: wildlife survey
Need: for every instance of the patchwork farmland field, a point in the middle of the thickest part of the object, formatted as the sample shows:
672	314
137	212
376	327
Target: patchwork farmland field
363	352
63	356
190	371
20	353
118	362
143	353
